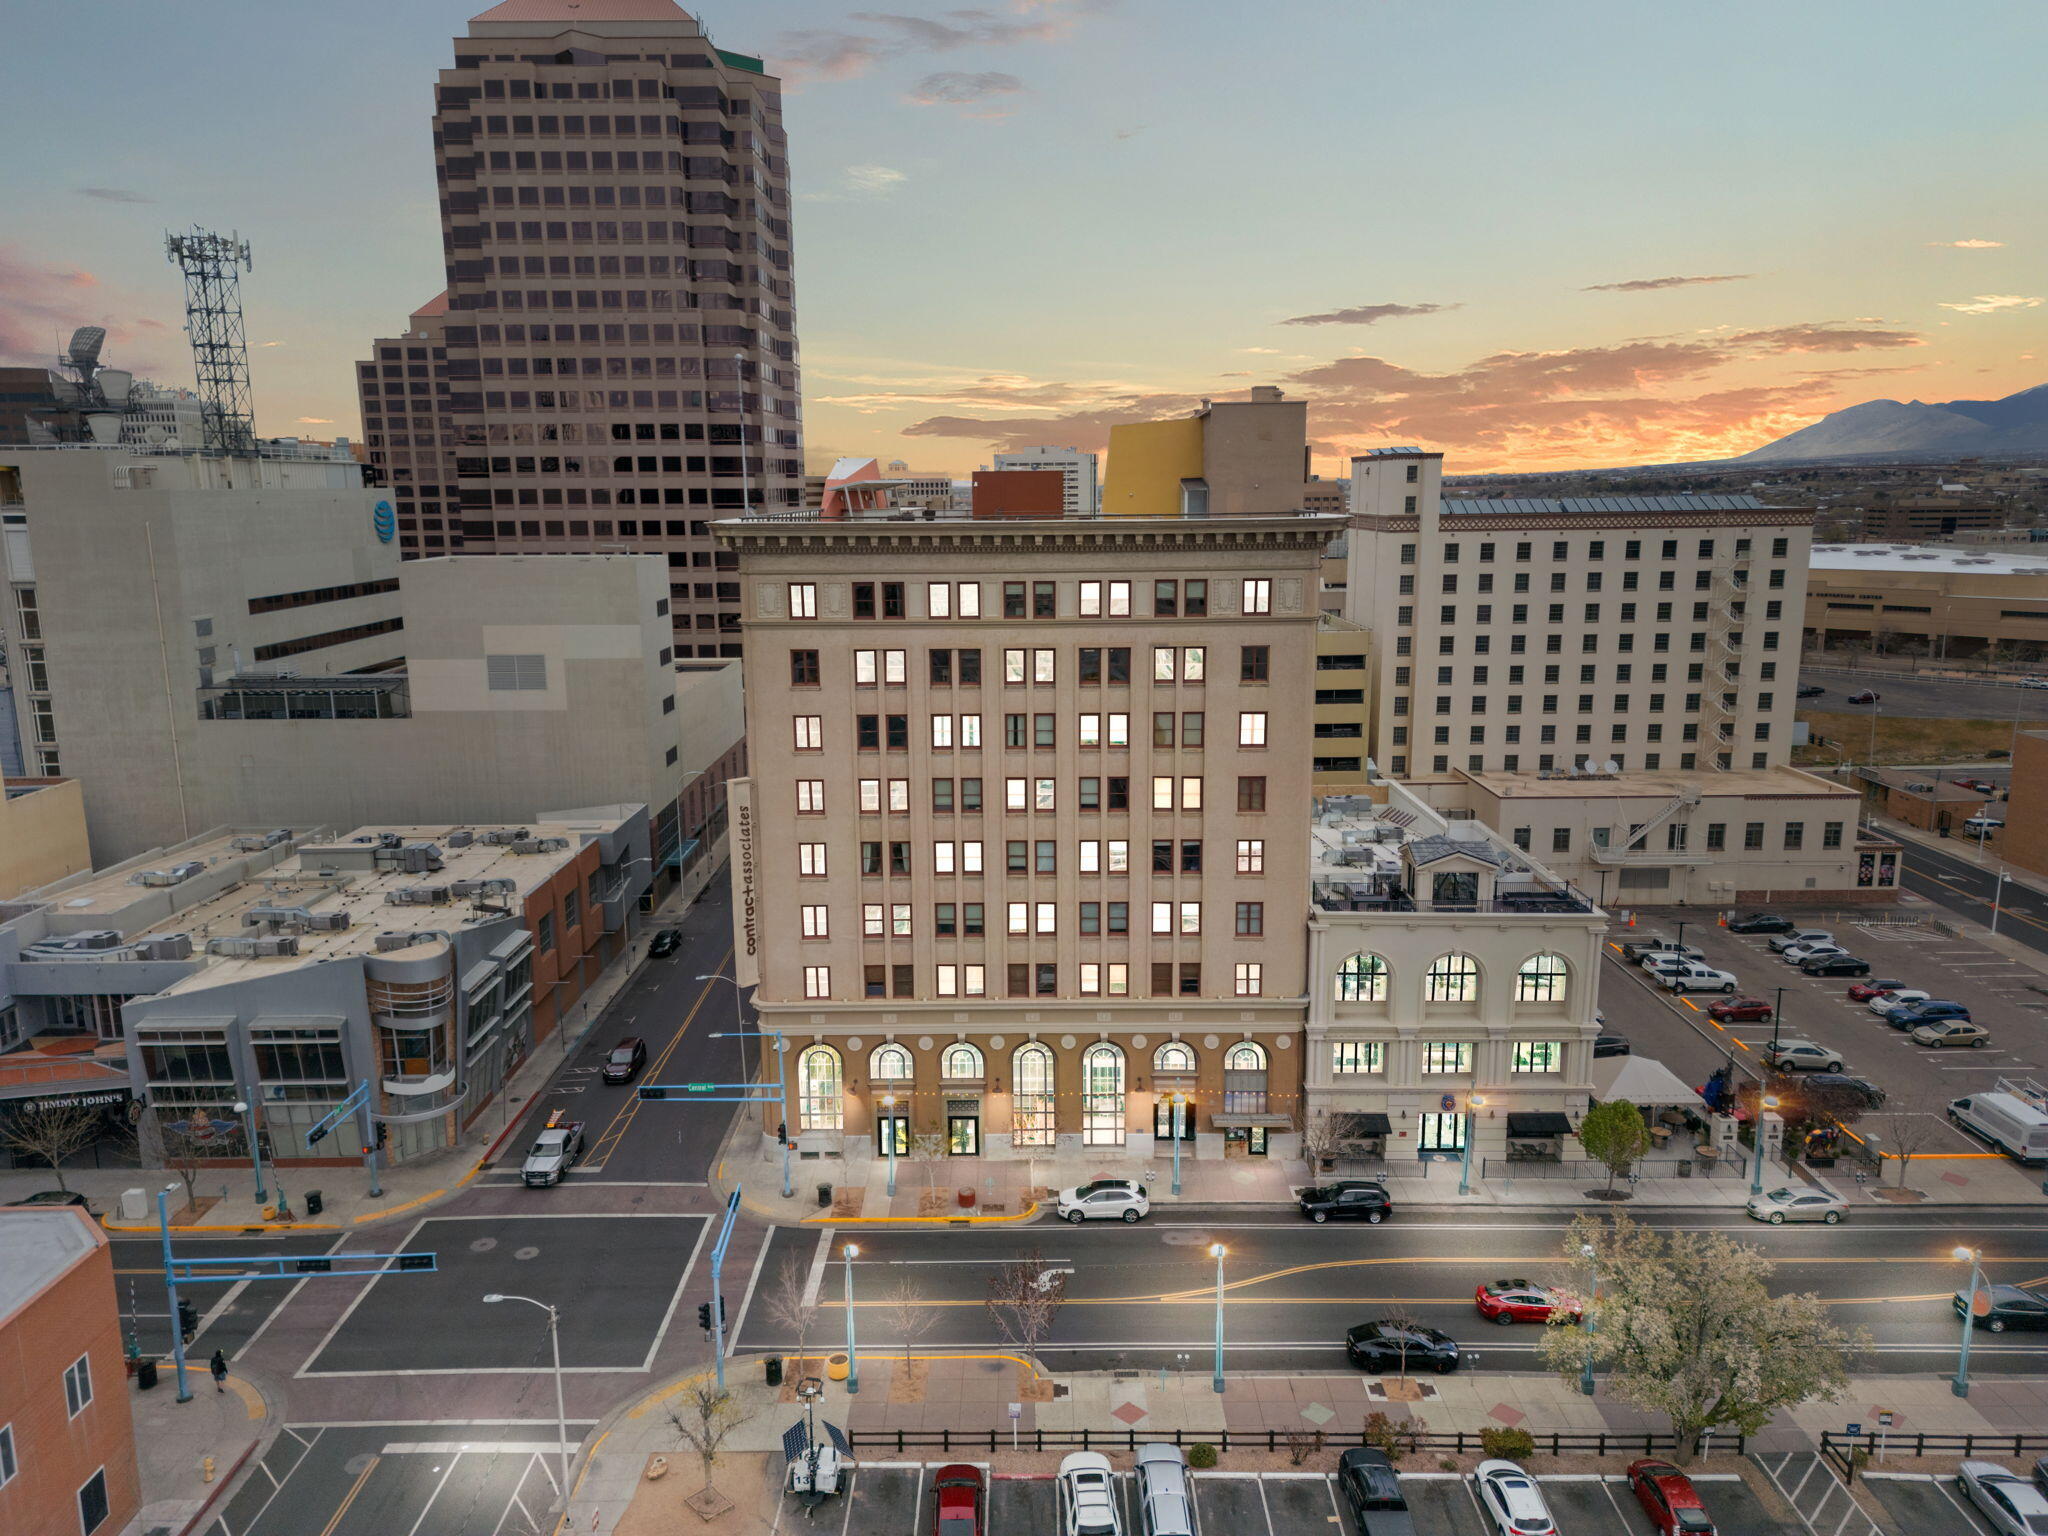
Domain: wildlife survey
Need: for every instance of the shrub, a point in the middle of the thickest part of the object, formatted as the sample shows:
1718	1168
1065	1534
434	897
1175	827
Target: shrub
1302	1444
1396	1437
1201	1455
1446	1464
1501	1443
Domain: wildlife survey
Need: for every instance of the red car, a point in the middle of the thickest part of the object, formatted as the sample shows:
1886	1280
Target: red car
1740	1010
1876	986
1518	1301
959	1495
1668	1498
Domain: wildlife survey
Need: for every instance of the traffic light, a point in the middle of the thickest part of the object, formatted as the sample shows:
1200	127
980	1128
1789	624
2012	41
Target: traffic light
188	1317
314	1266
704	1315
383	1133
782	1133
415	1261
653	1093
318	1134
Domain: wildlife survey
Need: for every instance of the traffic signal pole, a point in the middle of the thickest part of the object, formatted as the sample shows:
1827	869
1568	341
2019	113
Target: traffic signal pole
717	1310
359	1102
163	1221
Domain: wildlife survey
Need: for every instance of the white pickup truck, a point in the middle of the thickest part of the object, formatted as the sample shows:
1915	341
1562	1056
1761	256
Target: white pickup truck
556	1150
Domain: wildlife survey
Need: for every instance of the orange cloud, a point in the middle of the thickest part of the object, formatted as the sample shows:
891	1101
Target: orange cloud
42	303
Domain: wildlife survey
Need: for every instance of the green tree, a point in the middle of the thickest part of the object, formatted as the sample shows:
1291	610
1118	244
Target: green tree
1686	1326
1614	1134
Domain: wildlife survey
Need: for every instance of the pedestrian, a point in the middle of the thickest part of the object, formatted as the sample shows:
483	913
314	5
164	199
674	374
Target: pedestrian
219	1367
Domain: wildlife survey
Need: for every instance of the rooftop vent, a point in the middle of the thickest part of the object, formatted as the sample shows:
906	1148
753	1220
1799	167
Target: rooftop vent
256	843
540	845
498	837
461	839
165	946
417	896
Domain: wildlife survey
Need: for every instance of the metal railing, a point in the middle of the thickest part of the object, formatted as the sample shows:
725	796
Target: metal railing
1457	1442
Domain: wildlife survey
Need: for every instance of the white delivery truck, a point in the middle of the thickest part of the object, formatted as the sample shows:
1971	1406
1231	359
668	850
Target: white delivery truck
2013	1117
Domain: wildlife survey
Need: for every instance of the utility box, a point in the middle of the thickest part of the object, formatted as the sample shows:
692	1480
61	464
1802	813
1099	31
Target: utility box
134	1206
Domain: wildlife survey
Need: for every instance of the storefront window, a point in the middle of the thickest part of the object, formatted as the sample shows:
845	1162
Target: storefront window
1031	1101
1102	1096
819	1103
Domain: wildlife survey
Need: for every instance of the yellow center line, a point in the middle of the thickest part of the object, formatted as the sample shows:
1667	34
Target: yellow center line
329	1528
622	1121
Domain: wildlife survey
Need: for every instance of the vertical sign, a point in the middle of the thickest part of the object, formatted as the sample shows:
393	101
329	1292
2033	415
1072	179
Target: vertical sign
746	900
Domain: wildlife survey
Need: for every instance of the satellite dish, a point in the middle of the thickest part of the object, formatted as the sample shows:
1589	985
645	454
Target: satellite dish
84	351
156	437
1613	766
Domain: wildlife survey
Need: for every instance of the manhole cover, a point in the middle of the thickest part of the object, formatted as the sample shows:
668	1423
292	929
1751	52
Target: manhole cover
353	1467
483	1245
526	1253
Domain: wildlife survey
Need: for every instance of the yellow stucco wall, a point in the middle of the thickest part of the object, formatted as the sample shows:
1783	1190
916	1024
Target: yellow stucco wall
1147	462
42	837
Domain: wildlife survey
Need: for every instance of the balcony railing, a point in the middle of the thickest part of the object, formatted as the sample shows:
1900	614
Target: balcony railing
1337	897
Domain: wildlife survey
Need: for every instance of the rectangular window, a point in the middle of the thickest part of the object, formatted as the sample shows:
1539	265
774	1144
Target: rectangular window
78	1385
1162	918
1013	667
1251	793
1119	731
1538	1056
1165	599
1753	835
92	1503
803	669
1446	1057
817	925
1251	856
938	599
1090	732
817	981
810	733
1249	974
8	1466
1350	1058
1795	836
1254	663
1257	595
1251	729
970	666
866	669
1119	856
870	792
1251	919
970	731
1191	917
942	733
871	920
944	856
803	600
1831	834
810	797
810	860
1014	792
1091	857
1091	599
1042	794
899	797
1162	794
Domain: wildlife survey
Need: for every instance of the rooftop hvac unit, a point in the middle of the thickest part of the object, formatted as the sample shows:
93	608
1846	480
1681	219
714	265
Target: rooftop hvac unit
540	845
155	877
461	839
165	946
392	939
390	840
278	944
419	858
187	870
328	922
257	842
466	889
232	948
96	938
498	837
417	896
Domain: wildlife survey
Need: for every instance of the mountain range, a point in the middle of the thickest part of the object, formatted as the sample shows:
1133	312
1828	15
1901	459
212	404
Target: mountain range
2016	425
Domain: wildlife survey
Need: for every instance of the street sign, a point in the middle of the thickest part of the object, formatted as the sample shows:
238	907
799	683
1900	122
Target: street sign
1450	1103
1855	1429
699	1087
1016	1410
1884	1418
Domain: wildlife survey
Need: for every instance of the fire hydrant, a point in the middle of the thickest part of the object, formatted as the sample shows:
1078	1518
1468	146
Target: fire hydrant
206	1469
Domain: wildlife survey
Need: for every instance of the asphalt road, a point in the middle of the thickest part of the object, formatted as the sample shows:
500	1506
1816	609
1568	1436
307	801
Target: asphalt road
1140	1297
1967	888
1924	697
230	1313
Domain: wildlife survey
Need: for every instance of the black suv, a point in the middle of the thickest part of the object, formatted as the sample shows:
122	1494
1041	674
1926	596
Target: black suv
1820	1086
1371	1484
1348	1200
626	1060
2012	1306
1761	922
666	942
1381	1346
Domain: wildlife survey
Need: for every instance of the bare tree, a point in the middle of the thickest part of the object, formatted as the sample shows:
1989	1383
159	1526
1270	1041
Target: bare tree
52	1131
910	1315
792	1302
1318	1137
1406	1326
928	1151
1024	1298
708	1416
1909	1122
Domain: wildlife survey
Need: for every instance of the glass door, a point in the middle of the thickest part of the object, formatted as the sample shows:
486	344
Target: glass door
1162	1120
900	1126
1442	1133
963	1135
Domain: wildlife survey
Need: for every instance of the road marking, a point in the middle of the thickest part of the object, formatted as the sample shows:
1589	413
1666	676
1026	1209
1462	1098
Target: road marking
475	1447
446	1473
676	1296
732	1334
361	1479
818	1262
289	1297
622	1121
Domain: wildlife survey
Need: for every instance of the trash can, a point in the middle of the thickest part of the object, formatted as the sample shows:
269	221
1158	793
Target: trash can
314	1204
836	1367
145	1375
824	1194
1685	1168
772	1368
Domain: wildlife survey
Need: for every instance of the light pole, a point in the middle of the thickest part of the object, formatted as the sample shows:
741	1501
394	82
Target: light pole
1473	1103
1764	1103
561	1418
1872	755
1961	1384
1180	1101
1998	899
739	998
889	1137
852	1359
1216	1252
248	1115
1587	1252
163	1218
1777	1016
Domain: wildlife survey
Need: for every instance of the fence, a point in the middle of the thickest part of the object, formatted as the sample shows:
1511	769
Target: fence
1459	1442
1731	1164
1847	1452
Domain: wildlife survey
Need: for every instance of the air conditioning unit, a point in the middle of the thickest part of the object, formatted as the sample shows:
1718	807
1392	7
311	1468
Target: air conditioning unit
328	922
499	837
393	938
419	858
97	938
165	946
232	948
417	896
461	839
278	944
540	845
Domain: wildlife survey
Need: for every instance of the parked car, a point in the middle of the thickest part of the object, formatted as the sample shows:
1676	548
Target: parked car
2034	682
1951	1032
1610	1045
1785	938
1104	1200
960	1501
1347	1200
666	942
1811	690
49	1197
1512	1502
1165	1502
1903	997
1867	696
2011	1306
1801	952
1984	826
1981	786
1933	1011
1834	965
1694	977
1650	958
2010	1504
1798	1055
1876	986
1761	922
1861	1088
1634	949
2007	1121
1740	1010
626	1060
1668	1498
1087	1496
1519	1301
1779	1206
1381	1345
1372	1488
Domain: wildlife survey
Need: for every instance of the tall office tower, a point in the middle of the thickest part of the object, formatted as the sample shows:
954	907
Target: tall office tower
1076	468
1035	789
619	336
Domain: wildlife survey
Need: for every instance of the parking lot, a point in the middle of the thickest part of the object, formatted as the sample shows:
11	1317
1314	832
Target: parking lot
890	1499
2009	999
1925	1502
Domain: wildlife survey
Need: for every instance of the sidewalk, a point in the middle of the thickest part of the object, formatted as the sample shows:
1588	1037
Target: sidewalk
174	1439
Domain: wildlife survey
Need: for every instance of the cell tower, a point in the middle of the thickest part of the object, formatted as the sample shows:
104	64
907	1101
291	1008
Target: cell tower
213	265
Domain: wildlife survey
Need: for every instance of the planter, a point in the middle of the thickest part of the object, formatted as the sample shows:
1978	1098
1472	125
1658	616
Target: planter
836	1367
966	1196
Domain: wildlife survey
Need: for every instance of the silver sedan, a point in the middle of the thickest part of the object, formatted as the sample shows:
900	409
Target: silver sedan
1779	1206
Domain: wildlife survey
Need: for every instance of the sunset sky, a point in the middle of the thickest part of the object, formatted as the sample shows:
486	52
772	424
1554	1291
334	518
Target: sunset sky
1531	233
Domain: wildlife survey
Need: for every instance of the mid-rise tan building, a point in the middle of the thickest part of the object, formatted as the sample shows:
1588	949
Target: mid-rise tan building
1232	458
1939	601
1021	848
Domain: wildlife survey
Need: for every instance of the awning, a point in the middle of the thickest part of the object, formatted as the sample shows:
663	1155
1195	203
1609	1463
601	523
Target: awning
680	855
1643	1081
1353	1127
1538	1123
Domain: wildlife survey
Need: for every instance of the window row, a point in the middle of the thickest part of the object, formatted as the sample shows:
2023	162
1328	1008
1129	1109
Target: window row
1034	599
1039	856
1094	666
1092	919
1113	794
1678	836
946	733
1358	1058
1452	978
1025	978
1596	549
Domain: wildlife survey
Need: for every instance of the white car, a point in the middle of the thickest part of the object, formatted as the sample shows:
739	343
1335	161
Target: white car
2010	1504
1512	1501
1087	1496
1782	1205
1697	978
1799	952
1780	942
1104	1200
1905	997
1670	952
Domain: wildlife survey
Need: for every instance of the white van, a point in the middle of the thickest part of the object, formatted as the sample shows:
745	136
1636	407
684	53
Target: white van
1982	826
2007	1121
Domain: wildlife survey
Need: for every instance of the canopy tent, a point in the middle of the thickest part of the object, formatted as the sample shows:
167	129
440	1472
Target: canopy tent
1644	1082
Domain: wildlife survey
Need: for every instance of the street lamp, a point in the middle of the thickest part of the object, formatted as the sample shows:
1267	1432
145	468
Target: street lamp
1777	1016
1587	1252
852	1359
1473	1103
1216	1252
255	1152
1179	1109
1960	1385
1764	1103
1998	898
889	1137
555	1345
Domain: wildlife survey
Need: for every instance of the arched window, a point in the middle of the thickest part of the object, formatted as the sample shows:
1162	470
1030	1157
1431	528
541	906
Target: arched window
1176	1056
1244	1079
1453	978
1031	1113
1542	979
1362	979
960	1061
820	1101
1245	1056
890	1063
1102	1096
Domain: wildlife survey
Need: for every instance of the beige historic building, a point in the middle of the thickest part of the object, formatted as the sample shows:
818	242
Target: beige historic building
1907	600
1021	850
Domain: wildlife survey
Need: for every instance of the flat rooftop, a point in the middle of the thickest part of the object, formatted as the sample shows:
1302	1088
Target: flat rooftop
1926	560
37	1249
1734	783
1564	506
1360	848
